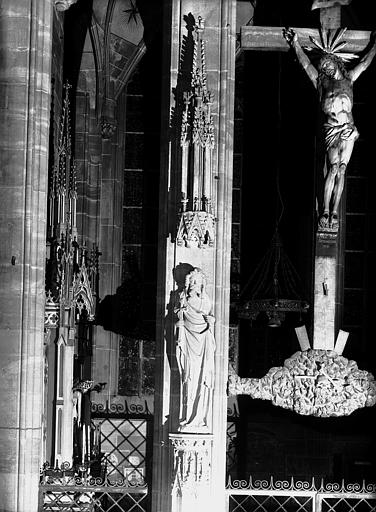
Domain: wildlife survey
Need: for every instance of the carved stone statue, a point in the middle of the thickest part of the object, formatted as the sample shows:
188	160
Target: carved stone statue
195	353
312	383
334	85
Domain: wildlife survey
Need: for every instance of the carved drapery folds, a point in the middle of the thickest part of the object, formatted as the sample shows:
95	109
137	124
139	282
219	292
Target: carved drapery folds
192	465
195	353
313	382
196	218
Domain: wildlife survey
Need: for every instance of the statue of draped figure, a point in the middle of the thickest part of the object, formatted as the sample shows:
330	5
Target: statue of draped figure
195	353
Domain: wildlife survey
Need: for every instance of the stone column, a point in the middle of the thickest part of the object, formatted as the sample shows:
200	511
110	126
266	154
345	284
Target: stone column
110	243
194	232
25	28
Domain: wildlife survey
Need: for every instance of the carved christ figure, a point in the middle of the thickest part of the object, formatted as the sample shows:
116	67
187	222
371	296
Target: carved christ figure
195	352
334	85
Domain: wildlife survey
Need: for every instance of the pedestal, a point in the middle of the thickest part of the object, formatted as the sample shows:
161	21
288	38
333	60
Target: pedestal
192	489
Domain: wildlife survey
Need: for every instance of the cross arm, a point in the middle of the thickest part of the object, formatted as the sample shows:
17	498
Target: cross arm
271	38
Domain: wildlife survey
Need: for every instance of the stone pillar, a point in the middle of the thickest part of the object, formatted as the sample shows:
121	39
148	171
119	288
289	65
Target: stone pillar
67	420
194	232
25	28
191	487
106	366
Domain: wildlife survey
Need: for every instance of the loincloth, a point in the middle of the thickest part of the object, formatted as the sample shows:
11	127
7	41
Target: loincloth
334	134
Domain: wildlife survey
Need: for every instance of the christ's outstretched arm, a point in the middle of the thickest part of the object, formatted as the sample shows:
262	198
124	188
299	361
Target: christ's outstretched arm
292	38
365	61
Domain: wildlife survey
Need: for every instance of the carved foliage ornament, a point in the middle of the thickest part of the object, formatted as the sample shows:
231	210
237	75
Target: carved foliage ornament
314	382
192	465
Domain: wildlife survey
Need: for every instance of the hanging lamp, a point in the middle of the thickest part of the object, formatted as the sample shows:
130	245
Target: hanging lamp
274	288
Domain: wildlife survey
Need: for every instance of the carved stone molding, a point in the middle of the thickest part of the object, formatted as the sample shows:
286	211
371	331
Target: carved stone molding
196	229
327	234
192	464
312	383
52	311
82	292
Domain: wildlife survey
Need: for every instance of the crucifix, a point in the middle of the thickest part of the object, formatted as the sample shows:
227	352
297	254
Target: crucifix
334	86
338	130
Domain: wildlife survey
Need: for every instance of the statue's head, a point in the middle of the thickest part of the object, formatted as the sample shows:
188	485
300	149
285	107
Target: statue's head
329	50
195	280
330	65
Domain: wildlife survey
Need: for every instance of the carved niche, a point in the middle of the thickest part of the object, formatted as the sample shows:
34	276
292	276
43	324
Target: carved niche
196	224
71	270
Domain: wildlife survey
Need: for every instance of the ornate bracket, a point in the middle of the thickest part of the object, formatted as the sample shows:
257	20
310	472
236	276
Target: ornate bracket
192	464
312	383
196	228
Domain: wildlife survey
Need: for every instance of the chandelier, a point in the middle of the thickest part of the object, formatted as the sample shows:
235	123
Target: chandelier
273	288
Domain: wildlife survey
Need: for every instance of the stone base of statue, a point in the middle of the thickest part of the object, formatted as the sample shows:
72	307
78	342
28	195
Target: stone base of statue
191	487
193	429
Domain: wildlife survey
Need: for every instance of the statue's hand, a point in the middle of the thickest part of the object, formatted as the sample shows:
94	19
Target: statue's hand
290	35
210	319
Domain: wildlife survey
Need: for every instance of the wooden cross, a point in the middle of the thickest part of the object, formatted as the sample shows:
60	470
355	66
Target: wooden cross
272	39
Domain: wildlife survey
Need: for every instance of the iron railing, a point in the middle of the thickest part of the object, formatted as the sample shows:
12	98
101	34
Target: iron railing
117	476
299	496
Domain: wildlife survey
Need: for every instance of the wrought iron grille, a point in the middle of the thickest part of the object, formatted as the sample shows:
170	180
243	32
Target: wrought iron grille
232	442
123	443
347	504
117	477
94	499
291	496
275	503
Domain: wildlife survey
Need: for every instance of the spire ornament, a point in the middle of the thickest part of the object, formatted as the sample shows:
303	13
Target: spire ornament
196	224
